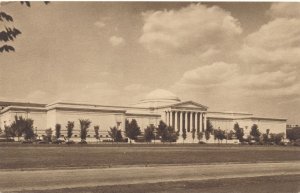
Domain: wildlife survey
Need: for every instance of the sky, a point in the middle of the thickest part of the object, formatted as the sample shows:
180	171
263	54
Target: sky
240	57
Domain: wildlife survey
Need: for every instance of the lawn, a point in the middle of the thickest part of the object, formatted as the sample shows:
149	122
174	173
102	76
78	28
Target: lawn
26	156
266	184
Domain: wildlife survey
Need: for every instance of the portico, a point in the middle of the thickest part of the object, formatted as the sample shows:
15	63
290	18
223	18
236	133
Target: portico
186	119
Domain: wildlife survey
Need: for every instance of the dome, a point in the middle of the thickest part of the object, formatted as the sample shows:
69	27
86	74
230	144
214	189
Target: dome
158	97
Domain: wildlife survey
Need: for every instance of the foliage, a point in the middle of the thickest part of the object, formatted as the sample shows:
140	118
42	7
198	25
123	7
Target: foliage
293	134
219	134
132	130
239	132
70	127
193	133
96	129
28	130
48	136
166	133
20	127
265	136
10	33
276	138
149	133
184	134
230	135
57	131
255	132
199	135
7	131
115	134
84	125
209	129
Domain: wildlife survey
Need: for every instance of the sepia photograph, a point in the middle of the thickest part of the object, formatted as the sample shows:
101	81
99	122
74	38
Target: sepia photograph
149	97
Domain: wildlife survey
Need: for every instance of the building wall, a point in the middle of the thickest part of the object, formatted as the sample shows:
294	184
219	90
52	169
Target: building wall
39	118
275	126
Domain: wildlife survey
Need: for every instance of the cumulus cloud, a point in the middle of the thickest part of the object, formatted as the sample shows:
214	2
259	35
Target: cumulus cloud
193	29
209	75
116	41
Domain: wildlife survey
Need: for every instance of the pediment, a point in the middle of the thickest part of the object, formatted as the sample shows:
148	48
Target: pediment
189	105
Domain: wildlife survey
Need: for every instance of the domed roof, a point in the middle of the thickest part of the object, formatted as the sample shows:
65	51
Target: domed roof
160	94
158	97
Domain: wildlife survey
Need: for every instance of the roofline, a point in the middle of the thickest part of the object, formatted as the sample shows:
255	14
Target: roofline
172	105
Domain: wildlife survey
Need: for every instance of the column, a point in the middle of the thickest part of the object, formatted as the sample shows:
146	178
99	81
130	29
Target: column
176	121
180	122
171	118
167	118
205	122
200	117
196	122
185	121
191	121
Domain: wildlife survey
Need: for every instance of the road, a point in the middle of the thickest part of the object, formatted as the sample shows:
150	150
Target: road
72	178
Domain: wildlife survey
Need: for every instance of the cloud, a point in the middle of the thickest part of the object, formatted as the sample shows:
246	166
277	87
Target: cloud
209	75
99	24
116	41
193	29
285	10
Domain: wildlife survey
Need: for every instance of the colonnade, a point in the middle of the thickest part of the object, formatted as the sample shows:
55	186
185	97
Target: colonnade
187	120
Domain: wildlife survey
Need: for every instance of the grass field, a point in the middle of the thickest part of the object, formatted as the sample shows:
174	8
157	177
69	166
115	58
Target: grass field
56	156
267	184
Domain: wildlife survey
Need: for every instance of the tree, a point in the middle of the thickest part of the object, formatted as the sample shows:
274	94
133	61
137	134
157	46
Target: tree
70	126
161	129
276	138
199	136
9	33
219	134
255	132
193	134
57	131
7	132
28	129
96	129
48	136
132	130
209	129
115	134
172	134
265	136
84	125
166	133
184	134
149	134
239	132
293	134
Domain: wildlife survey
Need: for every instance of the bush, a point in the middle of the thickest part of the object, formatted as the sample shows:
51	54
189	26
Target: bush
82	142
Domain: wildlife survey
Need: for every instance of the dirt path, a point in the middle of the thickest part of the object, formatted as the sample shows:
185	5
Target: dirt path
55	179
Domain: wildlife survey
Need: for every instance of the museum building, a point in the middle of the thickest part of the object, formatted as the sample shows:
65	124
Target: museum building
156	106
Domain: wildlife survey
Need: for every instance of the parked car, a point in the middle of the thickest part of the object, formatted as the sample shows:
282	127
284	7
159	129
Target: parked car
82	142
70	142
58	141
26	142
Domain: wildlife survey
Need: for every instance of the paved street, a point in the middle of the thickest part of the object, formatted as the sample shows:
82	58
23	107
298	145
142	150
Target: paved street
54	179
